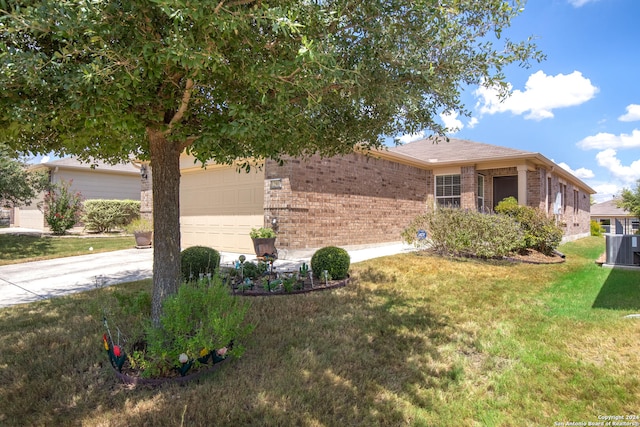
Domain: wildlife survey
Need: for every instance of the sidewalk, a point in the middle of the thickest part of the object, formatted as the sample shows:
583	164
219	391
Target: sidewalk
33	281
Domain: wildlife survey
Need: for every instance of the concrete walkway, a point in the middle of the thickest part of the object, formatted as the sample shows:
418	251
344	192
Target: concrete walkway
33	281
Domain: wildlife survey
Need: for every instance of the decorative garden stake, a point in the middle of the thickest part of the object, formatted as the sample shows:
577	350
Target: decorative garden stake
185	364
325	273
117	356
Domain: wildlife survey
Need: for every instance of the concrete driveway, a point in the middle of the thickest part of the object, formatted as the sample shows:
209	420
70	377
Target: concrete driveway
34	281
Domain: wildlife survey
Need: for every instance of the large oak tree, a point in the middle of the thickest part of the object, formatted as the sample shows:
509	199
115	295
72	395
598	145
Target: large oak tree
228	80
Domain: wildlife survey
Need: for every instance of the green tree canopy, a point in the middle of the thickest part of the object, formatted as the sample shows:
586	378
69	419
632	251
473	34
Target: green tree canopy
236	79
630	200
18	186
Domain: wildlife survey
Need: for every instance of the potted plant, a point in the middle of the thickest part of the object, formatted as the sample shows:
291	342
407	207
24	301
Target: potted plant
264	241
142	230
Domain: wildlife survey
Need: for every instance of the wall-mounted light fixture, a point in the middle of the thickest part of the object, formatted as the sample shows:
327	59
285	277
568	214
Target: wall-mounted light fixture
274	223
143	171
275	184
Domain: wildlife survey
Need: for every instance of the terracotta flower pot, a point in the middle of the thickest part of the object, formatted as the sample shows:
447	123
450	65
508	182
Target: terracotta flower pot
264	246
143	239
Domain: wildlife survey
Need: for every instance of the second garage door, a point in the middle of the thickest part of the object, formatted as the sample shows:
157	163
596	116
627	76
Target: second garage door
219	206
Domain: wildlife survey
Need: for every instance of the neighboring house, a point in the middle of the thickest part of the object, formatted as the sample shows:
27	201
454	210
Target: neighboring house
369	198
613	219
97	180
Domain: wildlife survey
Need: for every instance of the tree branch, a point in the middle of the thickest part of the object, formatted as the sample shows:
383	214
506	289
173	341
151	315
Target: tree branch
186	96
187	142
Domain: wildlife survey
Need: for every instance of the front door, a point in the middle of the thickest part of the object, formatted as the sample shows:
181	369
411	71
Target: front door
503	187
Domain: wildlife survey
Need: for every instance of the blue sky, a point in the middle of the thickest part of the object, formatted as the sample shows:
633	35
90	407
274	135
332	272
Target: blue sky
581	106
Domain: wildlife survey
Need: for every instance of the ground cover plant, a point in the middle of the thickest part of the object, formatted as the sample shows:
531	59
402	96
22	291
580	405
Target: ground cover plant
19	248
414	339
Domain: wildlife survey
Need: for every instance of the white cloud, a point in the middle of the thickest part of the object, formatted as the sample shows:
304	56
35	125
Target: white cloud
627	174
581	173
473	122
580	3
606	192
541	96
608	140
404	139
632	115
44	159
451	122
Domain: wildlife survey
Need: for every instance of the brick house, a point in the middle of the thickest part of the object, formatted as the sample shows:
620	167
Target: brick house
367	198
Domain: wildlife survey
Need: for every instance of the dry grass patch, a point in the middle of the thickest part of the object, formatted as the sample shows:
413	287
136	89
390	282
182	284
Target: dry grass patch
413	340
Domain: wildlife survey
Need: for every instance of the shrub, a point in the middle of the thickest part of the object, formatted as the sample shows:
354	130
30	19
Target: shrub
253	270
334	260
452	231
596	228
540	232
198	260
104	215
202	317
62	207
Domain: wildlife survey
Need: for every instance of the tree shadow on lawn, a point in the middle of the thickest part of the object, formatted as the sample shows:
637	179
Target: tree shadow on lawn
29	246
620	291
355	356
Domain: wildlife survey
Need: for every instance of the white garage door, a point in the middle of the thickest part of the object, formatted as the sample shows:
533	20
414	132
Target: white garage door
219	206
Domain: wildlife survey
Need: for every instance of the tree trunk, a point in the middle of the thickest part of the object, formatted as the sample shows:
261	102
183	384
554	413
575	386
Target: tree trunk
165	164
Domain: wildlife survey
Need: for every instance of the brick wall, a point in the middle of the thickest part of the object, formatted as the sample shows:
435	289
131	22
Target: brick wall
469	182
343	200
146	195
575	215
536	188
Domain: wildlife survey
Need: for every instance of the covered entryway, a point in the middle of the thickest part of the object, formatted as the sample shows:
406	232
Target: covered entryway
219	206
503	187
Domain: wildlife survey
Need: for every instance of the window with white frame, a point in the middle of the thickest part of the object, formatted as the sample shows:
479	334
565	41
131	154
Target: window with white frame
480	193
448	190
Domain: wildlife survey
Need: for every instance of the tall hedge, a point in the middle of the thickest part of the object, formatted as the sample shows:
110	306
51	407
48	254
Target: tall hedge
104	215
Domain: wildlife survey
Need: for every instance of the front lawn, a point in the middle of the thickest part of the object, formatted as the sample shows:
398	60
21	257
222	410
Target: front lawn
18	248
413	340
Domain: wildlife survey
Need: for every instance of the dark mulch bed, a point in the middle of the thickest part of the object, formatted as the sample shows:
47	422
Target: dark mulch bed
529	256
306	287
535	257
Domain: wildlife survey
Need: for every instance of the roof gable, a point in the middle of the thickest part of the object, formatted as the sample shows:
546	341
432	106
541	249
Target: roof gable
609	208
97	165
456	150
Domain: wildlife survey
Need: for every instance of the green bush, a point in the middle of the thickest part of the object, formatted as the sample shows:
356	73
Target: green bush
596	228
540	232
104	215
62	207
334	260
198	260
452	231
253	270
202	317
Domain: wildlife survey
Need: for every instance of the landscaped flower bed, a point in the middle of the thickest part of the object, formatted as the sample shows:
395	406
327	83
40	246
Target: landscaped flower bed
203	324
